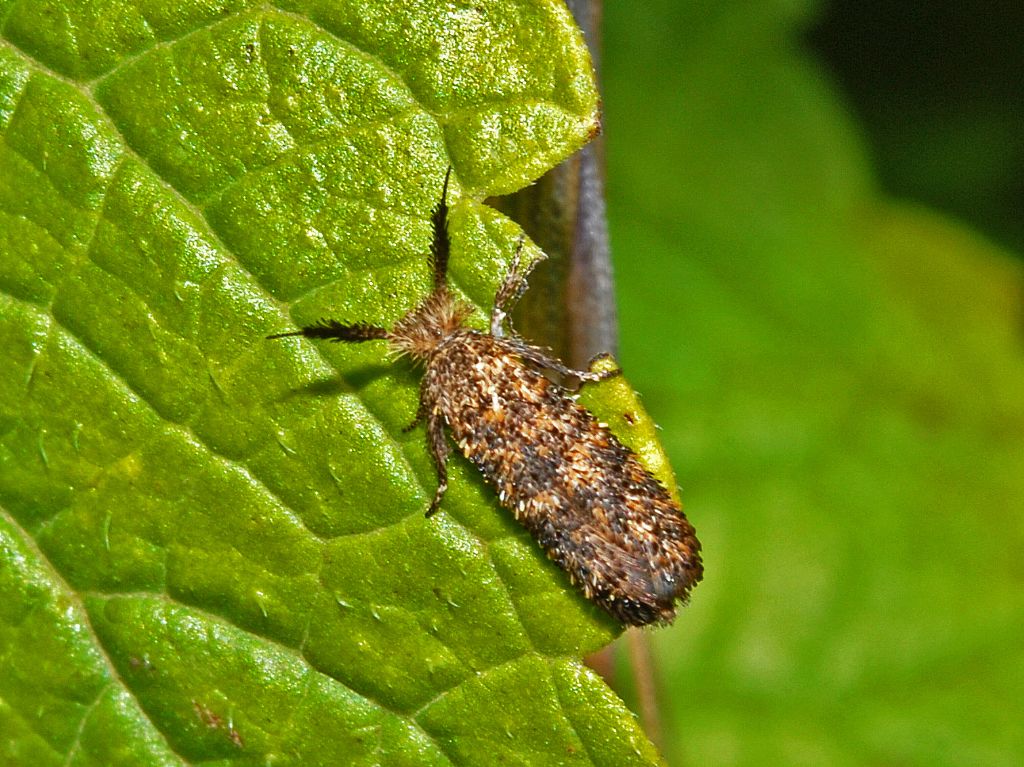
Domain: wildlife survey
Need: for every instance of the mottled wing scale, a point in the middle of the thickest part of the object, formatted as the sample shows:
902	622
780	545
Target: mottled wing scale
583	495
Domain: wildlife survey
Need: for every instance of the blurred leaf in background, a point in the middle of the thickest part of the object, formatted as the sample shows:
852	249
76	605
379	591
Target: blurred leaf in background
840	379
938	88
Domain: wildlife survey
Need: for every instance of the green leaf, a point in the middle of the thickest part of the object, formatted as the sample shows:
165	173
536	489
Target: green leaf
212	547
841	385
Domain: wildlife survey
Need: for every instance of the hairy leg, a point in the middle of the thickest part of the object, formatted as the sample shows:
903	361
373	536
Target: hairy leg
437	441
421	409
510	290
416	421
541	358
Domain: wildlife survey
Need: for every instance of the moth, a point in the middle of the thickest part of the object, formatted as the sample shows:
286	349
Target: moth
584	496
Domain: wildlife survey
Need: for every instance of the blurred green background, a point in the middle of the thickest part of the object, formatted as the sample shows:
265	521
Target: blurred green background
837	367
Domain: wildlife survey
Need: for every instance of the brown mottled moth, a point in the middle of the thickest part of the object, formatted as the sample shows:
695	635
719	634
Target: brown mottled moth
582	494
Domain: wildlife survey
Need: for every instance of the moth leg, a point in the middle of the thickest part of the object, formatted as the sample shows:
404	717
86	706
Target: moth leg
604	375
437	441
421	410
416	421
510	290
543	359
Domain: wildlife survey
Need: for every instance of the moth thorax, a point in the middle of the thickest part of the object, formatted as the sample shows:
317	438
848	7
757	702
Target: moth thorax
423	329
